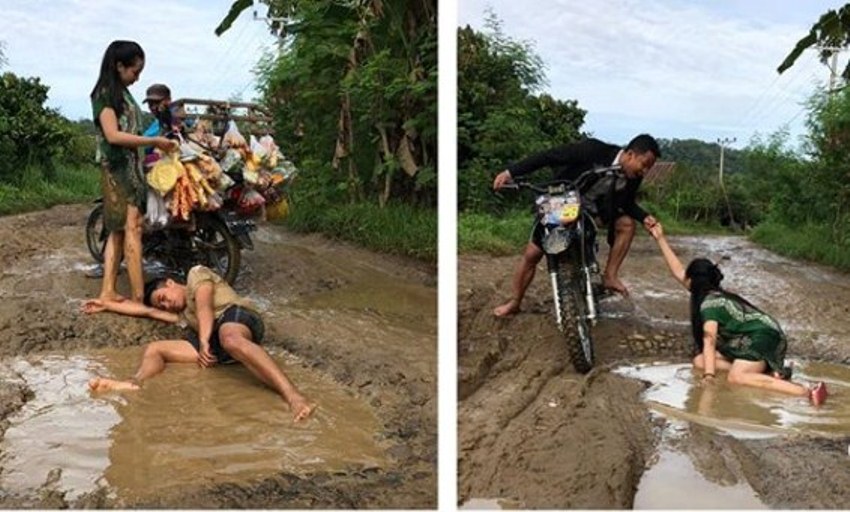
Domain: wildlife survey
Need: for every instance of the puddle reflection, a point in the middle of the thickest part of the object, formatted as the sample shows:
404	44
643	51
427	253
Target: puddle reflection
745	411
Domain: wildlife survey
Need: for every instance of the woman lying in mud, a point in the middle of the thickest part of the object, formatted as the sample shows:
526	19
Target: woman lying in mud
225	327
730	333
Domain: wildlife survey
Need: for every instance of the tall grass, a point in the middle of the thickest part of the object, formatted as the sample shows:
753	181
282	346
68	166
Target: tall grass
508	233
810	242
395	229
500	236
33	191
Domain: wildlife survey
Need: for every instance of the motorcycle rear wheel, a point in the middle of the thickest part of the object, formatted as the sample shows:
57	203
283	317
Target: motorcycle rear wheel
574	325
217	248
96	233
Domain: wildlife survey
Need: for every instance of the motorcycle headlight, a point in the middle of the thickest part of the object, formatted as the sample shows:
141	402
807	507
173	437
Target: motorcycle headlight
556	210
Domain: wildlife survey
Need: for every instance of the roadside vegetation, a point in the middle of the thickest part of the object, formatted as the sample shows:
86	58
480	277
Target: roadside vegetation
354	98
45	159
793	197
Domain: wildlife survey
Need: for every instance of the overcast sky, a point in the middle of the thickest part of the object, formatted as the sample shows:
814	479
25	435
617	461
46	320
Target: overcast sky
674	68
62	42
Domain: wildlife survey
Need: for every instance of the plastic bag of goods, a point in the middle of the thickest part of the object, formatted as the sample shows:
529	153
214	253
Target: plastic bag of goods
163	176
233	137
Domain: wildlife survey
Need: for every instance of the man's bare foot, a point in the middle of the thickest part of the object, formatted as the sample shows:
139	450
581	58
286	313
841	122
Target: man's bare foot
614	284
102	384
509	308
301	408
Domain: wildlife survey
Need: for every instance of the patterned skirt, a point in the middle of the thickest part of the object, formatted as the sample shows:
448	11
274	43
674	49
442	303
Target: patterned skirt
121	189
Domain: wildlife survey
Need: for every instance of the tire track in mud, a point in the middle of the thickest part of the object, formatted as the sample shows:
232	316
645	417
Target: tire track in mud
531	430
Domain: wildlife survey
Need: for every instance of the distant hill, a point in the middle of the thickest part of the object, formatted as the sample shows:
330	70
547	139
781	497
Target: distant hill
700	154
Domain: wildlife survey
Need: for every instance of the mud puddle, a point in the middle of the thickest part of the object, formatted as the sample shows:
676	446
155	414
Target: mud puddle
491	504
186	426
745	412
673	482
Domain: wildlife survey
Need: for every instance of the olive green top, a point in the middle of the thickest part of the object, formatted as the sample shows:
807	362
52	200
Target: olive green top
223	295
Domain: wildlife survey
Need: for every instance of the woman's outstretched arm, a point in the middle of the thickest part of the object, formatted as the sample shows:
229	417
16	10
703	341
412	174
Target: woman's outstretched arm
673	263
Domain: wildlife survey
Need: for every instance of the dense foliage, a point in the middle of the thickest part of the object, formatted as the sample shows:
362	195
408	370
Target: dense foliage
354	94
500	118
32	135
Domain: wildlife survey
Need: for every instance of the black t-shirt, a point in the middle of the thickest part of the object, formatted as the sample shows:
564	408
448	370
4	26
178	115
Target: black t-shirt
609	196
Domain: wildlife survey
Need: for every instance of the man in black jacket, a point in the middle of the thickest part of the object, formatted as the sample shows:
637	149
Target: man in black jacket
612	200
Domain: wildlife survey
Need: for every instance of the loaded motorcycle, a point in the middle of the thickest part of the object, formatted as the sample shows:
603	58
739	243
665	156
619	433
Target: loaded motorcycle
570	246
214	239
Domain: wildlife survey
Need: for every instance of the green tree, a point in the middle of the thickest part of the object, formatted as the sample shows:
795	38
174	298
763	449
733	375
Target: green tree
832	30
500	117
31	134
354	95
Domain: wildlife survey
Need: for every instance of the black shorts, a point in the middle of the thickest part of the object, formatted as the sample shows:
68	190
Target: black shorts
235	314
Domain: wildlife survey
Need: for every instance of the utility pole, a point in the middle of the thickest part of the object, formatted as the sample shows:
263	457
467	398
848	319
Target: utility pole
722	143
833	64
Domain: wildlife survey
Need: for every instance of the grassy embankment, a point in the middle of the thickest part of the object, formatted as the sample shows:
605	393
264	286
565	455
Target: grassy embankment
31	191
395	229
508	234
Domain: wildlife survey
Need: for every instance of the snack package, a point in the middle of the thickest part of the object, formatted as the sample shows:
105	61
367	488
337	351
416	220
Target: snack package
164	174
233	138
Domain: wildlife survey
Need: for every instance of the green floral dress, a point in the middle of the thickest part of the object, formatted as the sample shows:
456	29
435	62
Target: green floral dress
122	178
746	333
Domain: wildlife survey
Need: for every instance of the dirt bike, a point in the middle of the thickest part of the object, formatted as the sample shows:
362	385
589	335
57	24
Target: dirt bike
213	239
569	243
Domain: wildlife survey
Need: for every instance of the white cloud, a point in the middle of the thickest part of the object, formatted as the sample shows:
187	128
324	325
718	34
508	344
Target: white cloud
681	69
62	42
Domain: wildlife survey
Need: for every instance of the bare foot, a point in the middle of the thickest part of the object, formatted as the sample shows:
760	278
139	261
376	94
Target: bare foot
112	297
509	308
102	384
614	284
301	408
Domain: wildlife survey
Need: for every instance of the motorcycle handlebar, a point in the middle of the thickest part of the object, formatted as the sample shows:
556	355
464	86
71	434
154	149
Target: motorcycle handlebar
576	183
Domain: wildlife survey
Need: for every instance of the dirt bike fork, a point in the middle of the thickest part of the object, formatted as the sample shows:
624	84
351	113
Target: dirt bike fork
552	264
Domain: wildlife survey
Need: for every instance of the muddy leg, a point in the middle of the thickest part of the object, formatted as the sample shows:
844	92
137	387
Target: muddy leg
133	253
156	354
523	275
236	341
112	254
624	233
751	373
720	362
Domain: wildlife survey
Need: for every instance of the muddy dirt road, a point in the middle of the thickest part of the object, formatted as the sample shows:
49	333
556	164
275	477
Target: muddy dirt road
353	327
533	433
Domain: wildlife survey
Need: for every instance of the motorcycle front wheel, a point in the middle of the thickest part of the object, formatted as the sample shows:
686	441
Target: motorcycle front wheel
574	325
217	248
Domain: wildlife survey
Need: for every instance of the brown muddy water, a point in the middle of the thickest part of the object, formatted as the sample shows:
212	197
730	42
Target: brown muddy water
673	480
187	426
746	412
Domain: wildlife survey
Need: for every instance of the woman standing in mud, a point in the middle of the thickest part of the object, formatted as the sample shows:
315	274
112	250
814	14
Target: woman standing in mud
730	333
224	328
117	118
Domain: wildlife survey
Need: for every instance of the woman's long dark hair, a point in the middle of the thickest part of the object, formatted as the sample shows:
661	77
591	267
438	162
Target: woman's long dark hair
705	278
125	52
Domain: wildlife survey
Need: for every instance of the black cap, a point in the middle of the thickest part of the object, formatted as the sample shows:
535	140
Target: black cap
157	92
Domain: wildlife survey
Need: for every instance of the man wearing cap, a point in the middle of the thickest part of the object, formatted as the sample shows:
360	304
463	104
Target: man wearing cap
158	98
